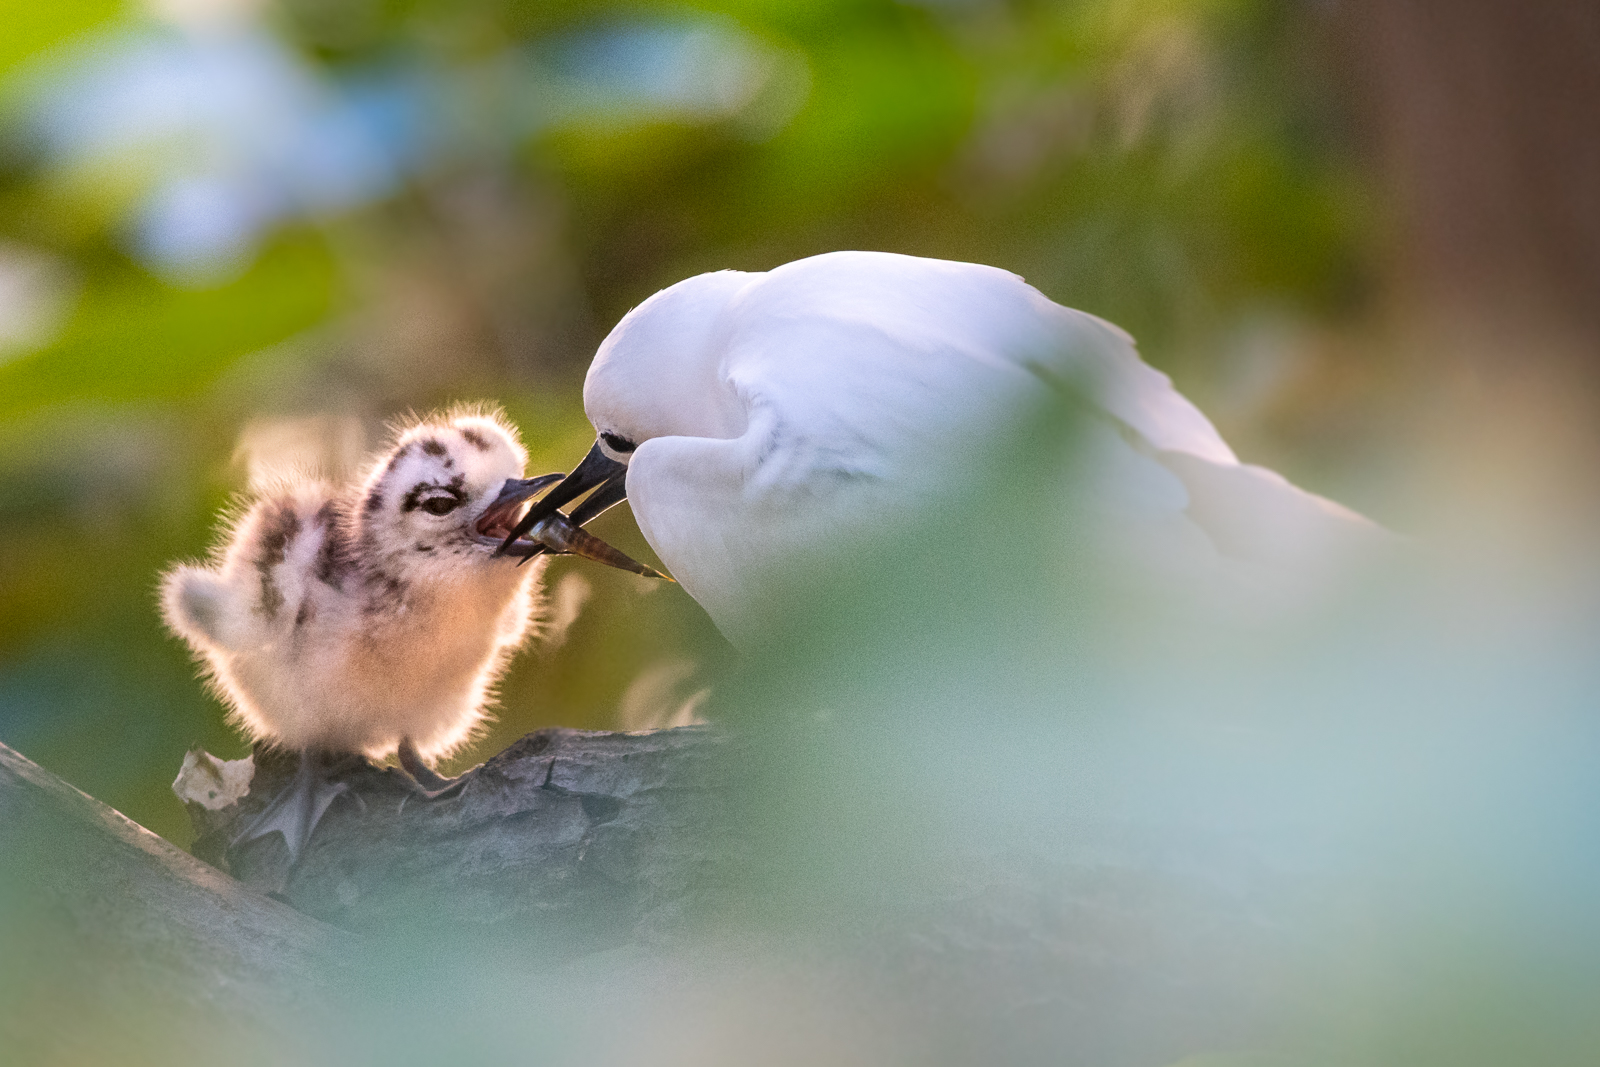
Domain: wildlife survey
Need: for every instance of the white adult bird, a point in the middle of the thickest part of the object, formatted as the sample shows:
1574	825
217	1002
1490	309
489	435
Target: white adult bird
751	418
373	618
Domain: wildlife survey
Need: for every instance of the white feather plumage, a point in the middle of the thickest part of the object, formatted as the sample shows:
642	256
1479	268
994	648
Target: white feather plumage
768	416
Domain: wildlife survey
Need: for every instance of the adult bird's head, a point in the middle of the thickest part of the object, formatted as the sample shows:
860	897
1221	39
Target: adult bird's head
659	374
448	491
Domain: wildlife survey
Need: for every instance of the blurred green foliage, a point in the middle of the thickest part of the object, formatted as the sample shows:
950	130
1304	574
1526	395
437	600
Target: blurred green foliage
1173	165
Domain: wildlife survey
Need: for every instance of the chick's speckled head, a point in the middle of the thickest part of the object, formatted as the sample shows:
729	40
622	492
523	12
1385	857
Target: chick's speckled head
424	499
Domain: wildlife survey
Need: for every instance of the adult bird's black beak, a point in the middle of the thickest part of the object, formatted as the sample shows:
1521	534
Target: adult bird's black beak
545	529
597	471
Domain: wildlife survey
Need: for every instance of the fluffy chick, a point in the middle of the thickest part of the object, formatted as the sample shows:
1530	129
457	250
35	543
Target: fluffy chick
373	617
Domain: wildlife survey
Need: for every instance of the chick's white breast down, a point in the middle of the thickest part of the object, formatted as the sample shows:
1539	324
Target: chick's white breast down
867	378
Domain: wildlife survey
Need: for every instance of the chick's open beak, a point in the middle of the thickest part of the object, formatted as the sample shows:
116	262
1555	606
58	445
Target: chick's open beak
599	472
544	529
503	511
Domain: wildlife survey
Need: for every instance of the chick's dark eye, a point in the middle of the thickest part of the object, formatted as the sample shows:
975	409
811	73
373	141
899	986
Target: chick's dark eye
440	505
618	444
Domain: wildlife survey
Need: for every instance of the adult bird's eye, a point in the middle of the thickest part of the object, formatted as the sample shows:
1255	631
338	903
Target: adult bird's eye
618	444
440	505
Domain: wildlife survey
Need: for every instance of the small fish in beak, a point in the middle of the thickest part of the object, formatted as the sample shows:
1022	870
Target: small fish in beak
550	531
599	472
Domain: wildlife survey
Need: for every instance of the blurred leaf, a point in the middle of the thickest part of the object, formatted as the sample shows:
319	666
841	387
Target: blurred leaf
32	27
133	338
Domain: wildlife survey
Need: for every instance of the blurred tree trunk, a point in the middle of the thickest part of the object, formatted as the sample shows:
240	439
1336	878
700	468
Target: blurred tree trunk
1483	119
1486	117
